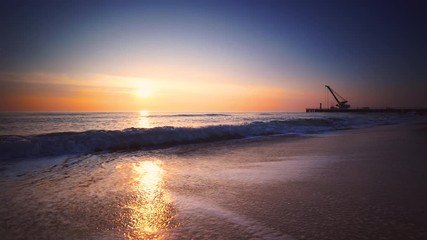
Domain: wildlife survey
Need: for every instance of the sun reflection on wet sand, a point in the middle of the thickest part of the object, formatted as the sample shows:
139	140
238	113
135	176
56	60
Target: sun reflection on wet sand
150	208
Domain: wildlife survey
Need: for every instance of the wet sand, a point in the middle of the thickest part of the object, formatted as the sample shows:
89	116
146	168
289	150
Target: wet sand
355	184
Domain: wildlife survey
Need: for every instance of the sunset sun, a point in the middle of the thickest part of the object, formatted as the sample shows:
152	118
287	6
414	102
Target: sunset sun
143	92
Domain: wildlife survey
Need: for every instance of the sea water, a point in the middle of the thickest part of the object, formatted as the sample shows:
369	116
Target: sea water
143	175
38	134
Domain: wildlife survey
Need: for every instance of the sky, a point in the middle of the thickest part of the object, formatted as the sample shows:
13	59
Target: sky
210	56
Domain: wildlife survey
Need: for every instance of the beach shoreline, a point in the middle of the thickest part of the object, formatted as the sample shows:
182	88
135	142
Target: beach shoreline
353	184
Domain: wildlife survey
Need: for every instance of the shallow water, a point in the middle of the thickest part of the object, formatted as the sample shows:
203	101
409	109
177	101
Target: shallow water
88	197
265	188
180	193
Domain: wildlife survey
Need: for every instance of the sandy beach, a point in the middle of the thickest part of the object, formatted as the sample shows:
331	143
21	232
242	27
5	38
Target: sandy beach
353	184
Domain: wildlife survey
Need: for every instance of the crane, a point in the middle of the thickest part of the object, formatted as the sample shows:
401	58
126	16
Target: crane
341	102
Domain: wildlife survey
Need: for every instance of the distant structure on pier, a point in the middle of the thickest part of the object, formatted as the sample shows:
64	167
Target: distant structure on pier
341	102
343	106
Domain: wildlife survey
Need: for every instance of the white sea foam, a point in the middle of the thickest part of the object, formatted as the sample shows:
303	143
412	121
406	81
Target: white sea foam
215	127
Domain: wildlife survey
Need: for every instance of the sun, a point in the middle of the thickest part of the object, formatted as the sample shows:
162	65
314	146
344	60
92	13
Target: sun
143	89
143	92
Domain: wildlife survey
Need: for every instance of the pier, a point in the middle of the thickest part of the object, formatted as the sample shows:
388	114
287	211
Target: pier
369	110
343	106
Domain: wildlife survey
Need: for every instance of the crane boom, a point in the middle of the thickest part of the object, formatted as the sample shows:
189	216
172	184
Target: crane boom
340	104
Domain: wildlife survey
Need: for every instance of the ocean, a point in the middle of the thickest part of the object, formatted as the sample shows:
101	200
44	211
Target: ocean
148	175
37	134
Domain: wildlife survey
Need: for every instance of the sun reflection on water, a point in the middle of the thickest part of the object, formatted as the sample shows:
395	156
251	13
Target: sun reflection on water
150	208
144	121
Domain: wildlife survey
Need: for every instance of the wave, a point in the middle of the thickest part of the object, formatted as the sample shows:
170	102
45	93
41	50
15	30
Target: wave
54	144
266	114
192	115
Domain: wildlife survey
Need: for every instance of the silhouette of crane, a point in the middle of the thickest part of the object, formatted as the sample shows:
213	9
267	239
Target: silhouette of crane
341	102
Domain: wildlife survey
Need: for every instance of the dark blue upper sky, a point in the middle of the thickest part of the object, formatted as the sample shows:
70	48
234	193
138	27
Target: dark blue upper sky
363	43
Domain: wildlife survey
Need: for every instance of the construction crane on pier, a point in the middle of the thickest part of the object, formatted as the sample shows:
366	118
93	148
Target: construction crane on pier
341	102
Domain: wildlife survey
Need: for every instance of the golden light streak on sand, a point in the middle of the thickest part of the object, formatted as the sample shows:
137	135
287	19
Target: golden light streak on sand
150	209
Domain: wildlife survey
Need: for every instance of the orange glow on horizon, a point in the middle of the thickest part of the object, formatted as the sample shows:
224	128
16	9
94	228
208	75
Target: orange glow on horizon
120	93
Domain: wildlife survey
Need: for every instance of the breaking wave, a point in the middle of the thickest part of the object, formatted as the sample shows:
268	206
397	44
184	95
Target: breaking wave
192	115
54	144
